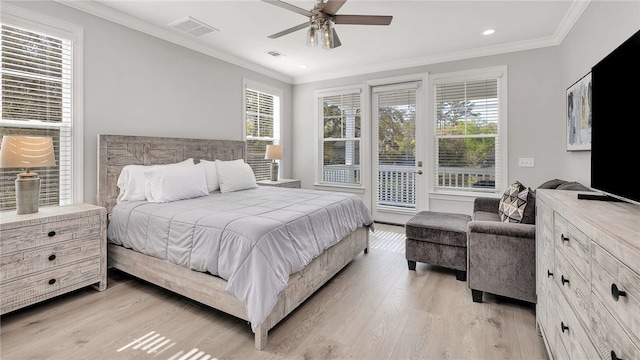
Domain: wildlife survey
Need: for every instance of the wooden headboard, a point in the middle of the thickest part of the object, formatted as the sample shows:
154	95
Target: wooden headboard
116	151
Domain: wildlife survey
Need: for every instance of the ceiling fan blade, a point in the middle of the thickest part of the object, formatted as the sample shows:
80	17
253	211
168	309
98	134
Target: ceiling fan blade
289	7
336	40
331	7
289	30
362	19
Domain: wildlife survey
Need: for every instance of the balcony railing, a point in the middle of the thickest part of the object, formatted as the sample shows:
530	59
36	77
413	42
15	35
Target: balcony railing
397	183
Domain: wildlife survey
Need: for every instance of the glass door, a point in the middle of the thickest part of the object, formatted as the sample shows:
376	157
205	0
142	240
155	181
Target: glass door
397	175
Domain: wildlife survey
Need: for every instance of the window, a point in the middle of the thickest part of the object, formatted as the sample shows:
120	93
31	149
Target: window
262	127
340	131
38	96
469	127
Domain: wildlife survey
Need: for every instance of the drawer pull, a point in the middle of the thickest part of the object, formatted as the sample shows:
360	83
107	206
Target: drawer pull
564	280
563	327
52	257
549	273
52	281
614	356
51	233
616	293
564	238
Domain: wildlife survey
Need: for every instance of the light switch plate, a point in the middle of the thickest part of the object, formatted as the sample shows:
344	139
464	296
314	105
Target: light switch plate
525	162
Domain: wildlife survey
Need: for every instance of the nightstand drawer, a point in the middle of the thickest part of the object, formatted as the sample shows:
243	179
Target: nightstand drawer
64	245
27	237
42	258
29	289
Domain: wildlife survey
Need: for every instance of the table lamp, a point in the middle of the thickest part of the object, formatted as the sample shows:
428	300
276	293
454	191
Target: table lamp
19	151
274	152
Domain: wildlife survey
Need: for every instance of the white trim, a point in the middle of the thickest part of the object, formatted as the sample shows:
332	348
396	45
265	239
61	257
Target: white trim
419	82
55	27
500	72
319	134
467	75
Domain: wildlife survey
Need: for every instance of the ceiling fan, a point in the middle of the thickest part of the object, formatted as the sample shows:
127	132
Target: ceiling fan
321	20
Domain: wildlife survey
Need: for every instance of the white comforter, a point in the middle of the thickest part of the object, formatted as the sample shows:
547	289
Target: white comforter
254	238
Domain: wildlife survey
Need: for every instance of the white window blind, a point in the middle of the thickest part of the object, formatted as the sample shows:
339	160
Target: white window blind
262	129
467	141
341	131
36	100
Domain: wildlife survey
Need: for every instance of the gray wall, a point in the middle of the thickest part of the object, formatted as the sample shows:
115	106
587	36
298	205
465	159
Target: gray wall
602	27
136	84
538	80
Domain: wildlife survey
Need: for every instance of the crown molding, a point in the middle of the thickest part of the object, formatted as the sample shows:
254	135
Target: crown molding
572	16
110	14
102	11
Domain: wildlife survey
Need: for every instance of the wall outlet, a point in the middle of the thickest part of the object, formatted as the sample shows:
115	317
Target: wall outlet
525	162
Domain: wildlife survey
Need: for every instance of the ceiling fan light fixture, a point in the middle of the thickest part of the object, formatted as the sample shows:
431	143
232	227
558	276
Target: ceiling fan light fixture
327	35
312	36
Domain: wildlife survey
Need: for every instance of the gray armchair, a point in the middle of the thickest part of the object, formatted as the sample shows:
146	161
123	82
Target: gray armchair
501	256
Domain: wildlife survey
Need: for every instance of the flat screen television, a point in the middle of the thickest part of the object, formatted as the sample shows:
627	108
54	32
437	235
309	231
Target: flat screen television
615	126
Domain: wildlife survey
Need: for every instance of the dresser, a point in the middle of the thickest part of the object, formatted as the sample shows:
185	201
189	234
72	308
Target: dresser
289	183
587	276
51	252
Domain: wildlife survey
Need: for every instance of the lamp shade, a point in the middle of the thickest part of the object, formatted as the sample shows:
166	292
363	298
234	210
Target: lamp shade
274	152
18	151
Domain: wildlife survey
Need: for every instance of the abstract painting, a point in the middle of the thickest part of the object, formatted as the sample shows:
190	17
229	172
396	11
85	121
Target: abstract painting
579	115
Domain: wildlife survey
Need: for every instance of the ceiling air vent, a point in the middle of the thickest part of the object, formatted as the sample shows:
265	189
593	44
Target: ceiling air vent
274	53
192	26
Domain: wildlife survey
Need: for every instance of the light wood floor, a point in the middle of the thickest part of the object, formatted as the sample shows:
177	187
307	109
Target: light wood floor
373	309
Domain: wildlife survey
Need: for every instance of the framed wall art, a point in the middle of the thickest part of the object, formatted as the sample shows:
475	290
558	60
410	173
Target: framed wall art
579	115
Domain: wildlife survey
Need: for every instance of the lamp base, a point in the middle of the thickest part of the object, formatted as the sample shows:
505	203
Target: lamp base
274	171
27	193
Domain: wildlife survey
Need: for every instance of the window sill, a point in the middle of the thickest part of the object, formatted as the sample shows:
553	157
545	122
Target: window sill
342	188
460	196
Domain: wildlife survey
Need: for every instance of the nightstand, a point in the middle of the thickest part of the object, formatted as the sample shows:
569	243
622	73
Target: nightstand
288	183
52	252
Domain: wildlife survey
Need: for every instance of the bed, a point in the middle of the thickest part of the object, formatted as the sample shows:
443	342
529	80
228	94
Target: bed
310	270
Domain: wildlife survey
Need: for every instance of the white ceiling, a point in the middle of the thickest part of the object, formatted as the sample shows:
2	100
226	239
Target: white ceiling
422	31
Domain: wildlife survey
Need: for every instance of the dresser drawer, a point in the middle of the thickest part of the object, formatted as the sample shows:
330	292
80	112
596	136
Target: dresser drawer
575	288
43	258
27	237
571	334
573	243
610	336
47	284
618	288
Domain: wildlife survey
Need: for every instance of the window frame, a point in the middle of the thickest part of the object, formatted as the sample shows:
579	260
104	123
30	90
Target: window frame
500	74
319	153
32	21
278	125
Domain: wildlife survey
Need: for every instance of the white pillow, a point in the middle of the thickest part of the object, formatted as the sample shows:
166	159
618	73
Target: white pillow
235	175
212	175
176	183
132	181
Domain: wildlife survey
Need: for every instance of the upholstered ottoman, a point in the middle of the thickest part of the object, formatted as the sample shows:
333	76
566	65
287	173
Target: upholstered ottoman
438	238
